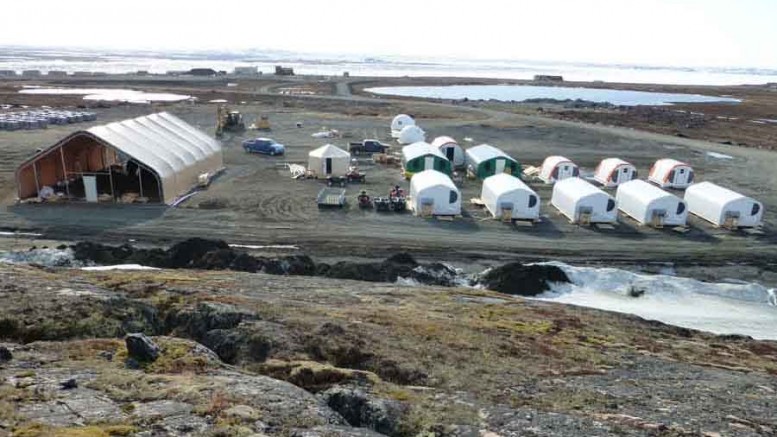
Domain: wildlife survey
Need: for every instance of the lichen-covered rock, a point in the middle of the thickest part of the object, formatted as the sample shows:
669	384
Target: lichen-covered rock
360	409
141	348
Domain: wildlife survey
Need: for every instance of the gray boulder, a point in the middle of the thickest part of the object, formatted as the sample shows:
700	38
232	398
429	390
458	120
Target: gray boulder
141	348
360	409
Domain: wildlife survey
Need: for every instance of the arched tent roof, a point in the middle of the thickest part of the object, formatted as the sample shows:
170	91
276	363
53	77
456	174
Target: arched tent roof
644	192
608	166
484	152
169	147
504	183
662	167
431	178
329	151
419	149
443	141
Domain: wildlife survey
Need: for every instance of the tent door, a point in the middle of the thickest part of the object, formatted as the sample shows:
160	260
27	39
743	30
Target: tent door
500	166
90	188
506	210
731	220
449	153
584	214
429	163
328	166
659	216
427	207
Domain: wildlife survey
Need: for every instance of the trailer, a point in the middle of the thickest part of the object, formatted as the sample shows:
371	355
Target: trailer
331	197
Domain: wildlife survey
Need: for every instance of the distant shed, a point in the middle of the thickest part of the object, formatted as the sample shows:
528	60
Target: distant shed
159	157
612	172
650	205
671	173
583	203
434	194
451	149
486	160
329	160
507	197
723	207
557	168
421	156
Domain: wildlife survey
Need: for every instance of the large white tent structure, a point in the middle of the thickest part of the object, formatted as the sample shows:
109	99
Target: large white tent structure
400	122
451	149
434	194
671	173
557	168
508	198
411	134
158	157
650	205
723	207
583	203
329	160
612	172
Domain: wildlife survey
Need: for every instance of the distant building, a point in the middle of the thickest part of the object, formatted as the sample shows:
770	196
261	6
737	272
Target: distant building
82	73
175	72
203	72
547	78
246	71
772	85
7	73
141	73
31	73
283	71
99	73
57	73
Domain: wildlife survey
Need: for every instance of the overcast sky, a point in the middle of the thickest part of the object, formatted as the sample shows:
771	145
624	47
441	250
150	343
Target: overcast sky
654	32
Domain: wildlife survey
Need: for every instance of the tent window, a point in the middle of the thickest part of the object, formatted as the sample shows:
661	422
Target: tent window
576	173
610	205
756	209
690	177
532	200
454	196
680	208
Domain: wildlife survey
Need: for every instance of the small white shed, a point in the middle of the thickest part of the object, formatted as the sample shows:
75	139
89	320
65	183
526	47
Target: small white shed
400	122
329	160
433	193
451	149
650	205
612	172
583	203
670	173
411	134
557	168
507	197
723	207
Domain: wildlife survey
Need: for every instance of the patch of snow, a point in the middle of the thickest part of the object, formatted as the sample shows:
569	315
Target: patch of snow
271	246
717	155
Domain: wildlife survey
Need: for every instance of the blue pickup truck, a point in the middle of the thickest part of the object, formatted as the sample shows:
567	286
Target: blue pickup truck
265	146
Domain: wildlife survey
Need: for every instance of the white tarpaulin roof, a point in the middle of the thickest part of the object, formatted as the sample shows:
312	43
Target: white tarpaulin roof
176	151
484	152
329	151
420	148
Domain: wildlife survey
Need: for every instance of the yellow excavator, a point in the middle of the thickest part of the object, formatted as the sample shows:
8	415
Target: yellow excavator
228	121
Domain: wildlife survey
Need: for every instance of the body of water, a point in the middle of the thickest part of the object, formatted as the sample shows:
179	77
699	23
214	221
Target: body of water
525	92
82	60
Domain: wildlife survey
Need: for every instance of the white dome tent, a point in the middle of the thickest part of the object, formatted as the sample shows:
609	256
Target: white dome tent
723	207
434	194
507	197
583	203
650	205
411	134
671	173
451	149
557	168
612	172
400	122
329	160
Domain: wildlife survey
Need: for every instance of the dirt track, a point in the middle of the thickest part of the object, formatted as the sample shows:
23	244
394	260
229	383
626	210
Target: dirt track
257	202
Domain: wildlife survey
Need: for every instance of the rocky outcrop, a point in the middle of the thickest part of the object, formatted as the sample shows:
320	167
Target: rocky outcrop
5	354
360	409
522	279
141	348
